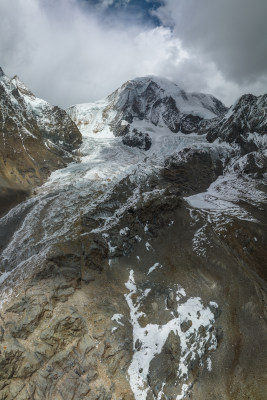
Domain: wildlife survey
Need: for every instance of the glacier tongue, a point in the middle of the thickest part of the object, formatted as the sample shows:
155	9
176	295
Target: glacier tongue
64	197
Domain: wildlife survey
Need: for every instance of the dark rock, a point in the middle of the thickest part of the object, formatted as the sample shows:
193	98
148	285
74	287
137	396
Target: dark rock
185	325
167	110
138	345
137	139
190	123
87	277
215	310
95	254
181	169
2	331
254	164
171	300
164	366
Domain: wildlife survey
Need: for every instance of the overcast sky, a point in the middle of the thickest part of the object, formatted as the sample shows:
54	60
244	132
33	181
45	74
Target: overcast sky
74	51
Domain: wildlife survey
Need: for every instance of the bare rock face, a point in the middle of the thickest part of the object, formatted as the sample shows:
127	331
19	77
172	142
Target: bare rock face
35	139
137	139
190	123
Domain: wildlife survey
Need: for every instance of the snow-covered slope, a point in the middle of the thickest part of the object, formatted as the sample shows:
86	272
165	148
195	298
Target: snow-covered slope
156	101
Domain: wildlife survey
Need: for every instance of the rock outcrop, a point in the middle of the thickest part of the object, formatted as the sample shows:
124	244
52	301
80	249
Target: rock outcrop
137	139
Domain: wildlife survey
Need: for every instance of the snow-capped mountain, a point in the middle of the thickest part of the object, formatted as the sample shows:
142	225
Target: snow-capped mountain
157	102
138	275
247	115
35	138
244	126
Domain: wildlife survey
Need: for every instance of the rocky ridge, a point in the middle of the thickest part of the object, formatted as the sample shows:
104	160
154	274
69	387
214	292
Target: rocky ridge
247	115
35	139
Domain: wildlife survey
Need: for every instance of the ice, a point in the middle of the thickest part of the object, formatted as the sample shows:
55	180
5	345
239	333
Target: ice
111	248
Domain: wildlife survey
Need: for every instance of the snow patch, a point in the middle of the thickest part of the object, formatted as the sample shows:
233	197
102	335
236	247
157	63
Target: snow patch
148	246
152	337
151	269
116	318
124	231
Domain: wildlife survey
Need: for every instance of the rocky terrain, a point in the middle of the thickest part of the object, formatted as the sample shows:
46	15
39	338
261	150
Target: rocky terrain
139	273
35	139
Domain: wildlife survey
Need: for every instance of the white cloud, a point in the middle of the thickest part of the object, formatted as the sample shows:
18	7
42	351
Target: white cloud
67	54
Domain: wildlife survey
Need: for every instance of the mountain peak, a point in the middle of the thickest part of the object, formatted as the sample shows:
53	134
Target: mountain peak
21	87
154	78
166	85
1	73
149	90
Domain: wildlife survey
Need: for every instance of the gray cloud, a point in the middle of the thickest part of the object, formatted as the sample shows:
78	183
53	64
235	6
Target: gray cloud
67	54
231	33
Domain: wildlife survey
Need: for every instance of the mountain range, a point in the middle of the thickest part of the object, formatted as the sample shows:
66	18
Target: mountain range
132	245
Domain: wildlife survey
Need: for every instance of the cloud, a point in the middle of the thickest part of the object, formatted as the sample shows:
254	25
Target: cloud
230	33
66	51
66	55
